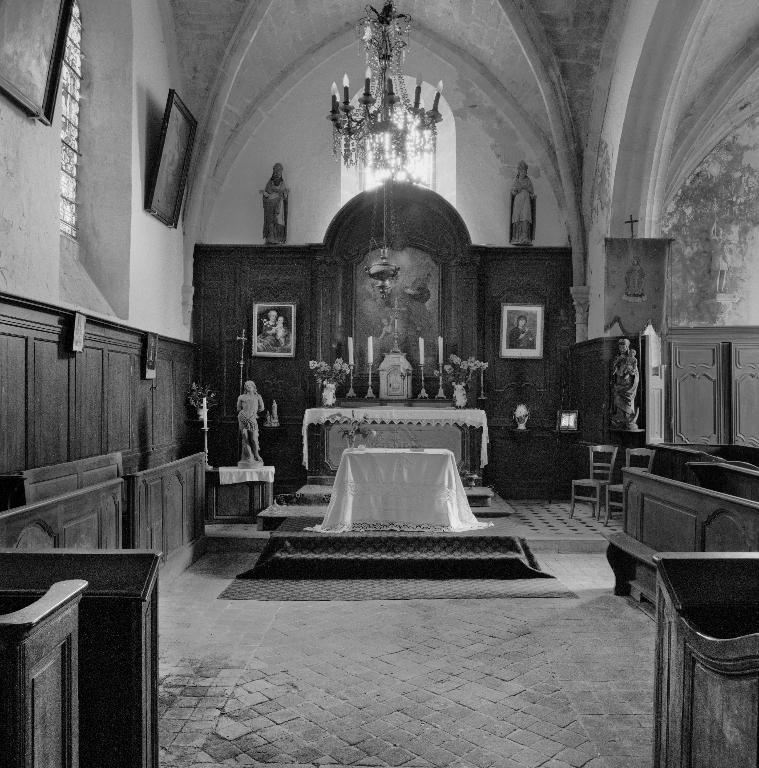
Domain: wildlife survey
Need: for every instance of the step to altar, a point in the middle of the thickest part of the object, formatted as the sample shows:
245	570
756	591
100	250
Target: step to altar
478	496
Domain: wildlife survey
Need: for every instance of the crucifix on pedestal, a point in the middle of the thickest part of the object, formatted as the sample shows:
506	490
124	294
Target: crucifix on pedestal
395	313
395	369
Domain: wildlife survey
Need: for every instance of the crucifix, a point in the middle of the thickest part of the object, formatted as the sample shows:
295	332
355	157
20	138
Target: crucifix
242	341
631	221
395	313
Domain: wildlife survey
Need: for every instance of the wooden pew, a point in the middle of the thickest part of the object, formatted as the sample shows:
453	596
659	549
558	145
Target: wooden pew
39	656
118	646
30	485
165	512
664	515
86	518
733	478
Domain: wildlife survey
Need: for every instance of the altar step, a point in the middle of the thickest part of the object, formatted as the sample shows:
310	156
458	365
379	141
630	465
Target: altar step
295	553
478	496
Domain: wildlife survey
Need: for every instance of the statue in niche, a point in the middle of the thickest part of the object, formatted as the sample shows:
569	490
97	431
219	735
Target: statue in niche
275	207
720	265
624	382
522	208
249	405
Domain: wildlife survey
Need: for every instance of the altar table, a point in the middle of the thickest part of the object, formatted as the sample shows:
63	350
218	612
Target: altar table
470	417
405	489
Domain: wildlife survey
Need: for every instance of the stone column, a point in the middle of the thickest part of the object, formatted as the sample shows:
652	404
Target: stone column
581	298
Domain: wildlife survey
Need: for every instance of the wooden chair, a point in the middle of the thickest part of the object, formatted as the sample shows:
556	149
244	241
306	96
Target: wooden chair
601	466
642	458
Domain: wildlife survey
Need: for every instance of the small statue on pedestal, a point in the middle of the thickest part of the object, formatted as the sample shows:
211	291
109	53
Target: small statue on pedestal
624	382
249	405
274	414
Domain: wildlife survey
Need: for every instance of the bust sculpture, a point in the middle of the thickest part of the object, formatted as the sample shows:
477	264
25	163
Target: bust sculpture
624	382
249	405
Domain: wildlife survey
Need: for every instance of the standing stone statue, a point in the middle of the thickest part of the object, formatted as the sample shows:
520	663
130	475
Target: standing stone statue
275	207
522	208
249	405
624	383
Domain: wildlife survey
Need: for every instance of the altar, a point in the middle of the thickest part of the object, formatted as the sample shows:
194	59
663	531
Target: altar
463	431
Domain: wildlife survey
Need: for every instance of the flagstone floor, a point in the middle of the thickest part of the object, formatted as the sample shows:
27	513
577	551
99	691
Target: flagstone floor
510	683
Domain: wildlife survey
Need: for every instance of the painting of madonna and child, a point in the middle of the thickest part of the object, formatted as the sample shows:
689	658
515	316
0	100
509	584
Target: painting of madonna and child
522	330
274	330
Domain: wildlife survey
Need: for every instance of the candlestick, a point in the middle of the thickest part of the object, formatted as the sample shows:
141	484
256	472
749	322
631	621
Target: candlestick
440	351
482	385
423	394
242	341
204	412
351	391
350	351
440	394
370	391
205	445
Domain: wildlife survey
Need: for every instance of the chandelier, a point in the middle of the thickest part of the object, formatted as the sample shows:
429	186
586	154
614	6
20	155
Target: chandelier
387	132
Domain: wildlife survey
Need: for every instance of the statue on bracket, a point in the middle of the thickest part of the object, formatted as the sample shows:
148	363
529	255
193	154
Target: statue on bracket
624	382
249	405
275	207
522	208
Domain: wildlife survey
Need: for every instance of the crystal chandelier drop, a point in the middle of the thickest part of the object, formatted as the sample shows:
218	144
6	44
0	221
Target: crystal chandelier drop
387	133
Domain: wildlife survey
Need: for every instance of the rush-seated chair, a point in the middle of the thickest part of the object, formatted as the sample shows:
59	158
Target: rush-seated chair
641	458
591	489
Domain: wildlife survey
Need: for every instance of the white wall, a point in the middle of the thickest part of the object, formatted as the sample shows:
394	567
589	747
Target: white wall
156	253
295	132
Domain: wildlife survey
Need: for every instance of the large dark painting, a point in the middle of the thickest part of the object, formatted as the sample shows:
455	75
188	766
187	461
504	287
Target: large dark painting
417	292
32	42
168	178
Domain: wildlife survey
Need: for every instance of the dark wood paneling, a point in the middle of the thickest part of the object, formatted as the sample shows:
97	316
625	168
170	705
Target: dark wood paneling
535	464
58	405
13	385
697	382
745	375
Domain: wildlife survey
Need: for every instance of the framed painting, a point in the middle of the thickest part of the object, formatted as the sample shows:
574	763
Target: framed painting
522	330
169	176
32	43
274	330
566	421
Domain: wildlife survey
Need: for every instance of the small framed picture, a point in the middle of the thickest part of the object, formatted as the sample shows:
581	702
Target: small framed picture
566	421
77	338
151	353
522	330
274	330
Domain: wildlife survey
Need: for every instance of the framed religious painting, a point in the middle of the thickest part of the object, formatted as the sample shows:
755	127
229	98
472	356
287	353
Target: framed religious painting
522	330
169	174
273	330
32	44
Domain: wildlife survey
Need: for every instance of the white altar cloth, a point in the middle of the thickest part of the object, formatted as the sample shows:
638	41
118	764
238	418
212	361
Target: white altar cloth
473	417
398	489
232	475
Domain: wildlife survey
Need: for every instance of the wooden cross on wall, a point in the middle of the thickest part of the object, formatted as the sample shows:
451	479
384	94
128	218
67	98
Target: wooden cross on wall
631	221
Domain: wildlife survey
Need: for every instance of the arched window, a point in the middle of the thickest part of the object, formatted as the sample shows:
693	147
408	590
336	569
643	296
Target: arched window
71	83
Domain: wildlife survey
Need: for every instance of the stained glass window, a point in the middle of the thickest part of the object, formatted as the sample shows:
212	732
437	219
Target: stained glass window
71	84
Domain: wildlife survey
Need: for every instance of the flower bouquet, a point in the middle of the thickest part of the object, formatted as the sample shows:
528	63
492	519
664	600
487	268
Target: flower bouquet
329	376
199	393
357	428
459	372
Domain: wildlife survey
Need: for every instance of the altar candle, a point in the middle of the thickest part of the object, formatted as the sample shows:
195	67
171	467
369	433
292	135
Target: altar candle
370	349
440	350
350	350
421	350
205	413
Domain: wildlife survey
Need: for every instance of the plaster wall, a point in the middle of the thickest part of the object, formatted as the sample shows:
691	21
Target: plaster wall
293	131
714	221
29	169
156	258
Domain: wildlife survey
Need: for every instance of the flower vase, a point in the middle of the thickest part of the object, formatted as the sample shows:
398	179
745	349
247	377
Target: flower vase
328	394
202	413
459	395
